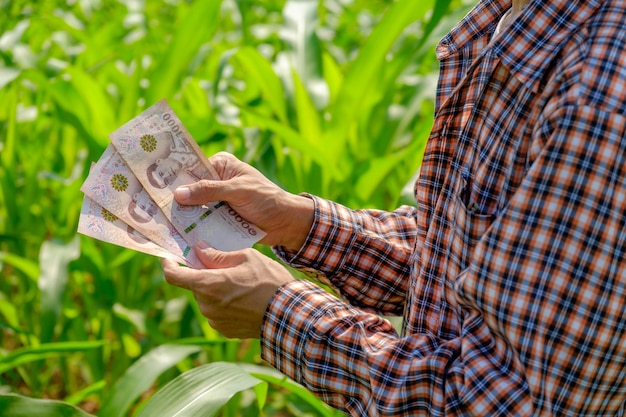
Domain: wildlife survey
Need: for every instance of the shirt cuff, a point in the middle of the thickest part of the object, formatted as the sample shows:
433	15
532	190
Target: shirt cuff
296	258
289	322
331	237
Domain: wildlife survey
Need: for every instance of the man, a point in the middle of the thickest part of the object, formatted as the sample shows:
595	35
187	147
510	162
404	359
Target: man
511	274
164	171
142	208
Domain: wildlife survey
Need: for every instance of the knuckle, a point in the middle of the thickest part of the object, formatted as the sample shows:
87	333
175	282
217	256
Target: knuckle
202	186
200	191
226	156
221	159
223	154
170	277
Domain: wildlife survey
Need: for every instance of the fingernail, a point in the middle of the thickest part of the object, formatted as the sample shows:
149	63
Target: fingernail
202	245
182	193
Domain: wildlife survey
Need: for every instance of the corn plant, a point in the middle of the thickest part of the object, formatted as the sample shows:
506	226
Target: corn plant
331	97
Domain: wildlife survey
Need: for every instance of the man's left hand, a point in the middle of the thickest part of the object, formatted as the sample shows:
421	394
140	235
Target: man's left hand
234	290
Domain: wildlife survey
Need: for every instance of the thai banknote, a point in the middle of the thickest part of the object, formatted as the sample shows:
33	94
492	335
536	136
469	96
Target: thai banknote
97	222
163	156
113	186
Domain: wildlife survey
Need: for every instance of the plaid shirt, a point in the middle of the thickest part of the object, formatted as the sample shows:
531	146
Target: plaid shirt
511	275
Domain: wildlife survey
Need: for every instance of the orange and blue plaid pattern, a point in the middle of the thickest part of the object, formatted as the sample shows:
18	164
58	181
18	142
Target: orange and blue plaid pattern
511	274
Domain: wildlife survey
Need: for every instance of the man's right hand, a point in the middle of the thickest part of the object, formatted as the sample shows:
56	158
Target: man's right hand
285	217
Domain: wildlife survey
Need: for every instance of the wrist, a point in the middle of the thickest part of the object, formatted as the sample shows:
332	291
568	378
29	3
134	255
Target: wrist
300	214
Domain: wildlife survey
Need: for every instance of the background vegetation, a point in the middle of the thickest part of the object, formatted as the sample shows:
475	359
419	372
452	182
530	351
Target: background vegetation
333	97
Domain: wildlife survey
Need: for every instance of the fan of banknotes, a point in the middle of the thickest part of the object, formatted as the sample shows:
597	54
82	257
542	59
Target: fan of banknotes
129	193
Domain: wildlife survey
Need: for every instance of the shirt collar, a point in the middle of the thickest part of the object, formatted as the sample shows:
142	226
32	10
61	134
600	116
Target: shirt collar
528	45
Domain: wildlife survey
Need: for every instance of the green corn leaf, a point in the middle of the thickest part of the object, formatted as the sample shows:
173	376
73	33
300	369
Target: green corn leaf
79	396
439	10
8	143
380	168
8	156
195	29
259	70
333	75
28	267
276	378
301	22
10	314
309	122
69	99
291	137
102	120
202	391
84	98
139	377
365	70
54	258
7	75
34	353
19	406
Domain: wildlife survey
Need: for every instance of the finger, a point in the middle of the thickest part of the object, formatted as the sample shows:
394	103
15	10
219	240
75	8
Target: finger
216	259
203	191
180	276
199	192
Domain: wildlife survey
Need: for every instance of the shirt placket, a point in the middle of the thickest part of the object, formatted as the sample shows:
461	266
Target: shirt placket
460	127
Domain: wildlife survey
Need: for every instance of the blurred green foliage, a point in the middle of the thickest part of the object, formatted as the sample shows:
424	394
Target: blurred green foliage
331	97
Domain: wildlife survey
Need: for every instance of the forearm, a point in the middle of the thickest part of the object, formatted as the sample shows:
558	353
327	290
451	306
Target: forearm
356	362
365	255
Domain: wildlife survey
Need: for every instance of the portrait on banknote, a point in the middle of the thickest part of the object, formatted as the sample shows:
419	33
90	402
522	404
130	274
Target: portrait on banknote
173	159
142	208
136	236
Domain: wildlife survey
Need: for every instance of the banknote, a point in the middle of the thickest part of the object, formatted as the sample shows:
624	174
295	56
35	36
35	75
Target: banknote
163	156
112	185
97	222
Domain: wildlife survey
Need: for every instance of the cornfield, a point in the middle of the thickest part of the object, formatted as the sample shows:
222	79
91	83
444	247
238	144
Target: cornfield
331	97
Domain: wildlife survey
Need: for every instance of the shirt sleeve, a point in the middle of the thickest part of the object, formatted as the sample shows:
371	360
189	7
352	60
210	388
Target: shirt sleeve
352	360
356	362
365	255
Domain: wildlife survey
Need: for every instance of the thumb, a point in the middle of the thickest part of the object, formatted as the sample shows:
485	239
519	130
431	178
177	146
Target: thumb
202	192
213	258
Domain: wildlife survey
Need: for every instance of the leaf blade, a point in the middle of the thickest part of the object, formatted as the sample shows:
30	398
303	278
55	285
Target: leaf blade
19	406
34	353
55	256
196	28
264	76
202	391
364	70
141	375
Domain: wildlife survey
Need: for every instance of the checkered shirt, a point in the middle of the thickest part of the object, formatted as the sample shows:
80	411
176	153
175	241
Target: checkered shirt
511	273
